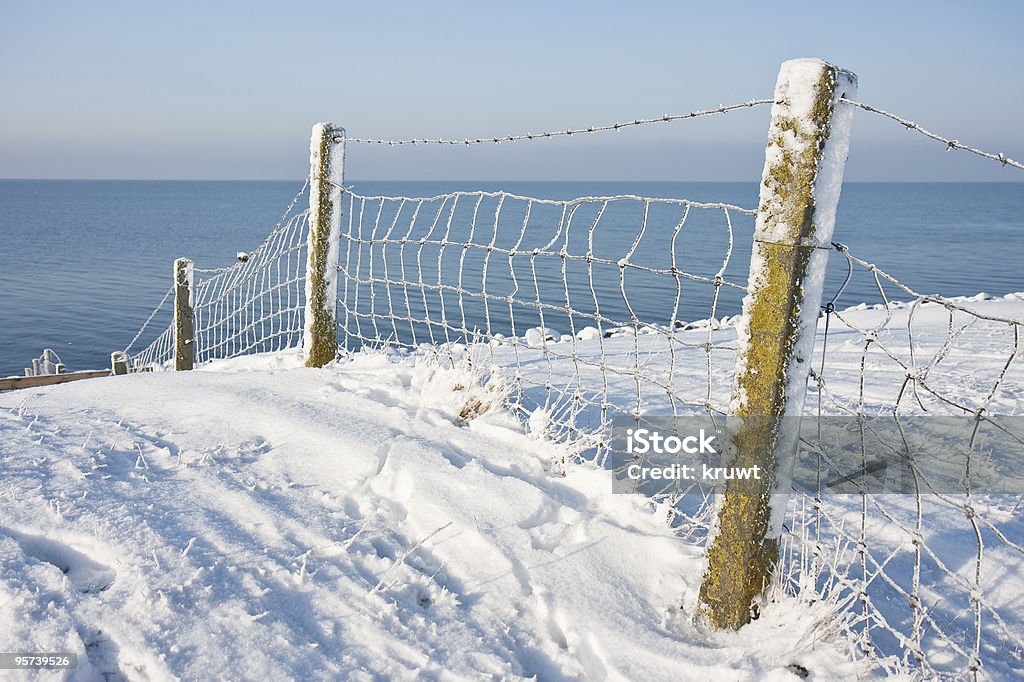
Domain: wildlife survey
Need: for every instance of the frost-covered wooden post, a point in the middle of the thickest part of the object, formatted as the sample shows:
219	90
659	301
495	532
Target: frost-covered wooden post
326	173
118	363
48	361
184	316
808	142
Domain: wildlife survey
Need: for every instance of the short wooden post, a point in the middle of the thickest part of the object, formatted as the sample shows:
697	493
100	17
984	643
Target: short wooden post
36	367
326	173
184	317
808	142
118	363
59	368
48	361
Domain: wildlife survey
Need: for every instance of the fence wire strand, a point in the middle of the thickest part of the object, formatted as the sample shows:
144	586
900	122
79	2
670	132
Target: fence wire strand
950	143
666	118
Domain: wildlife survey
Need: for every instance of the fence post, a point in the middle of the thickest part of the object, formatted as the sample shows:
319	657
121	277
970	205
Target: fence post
118	363
808	142
184	316
326	173
48	362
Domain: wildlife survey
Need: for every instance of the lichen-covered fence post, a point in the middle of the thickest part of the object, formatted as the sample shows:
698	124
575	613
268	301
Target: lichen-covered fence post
808	142
184	316
326	173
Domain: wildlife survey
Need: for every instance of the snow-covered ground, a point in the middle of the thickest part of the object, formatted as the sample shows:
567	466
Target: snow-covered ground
256	519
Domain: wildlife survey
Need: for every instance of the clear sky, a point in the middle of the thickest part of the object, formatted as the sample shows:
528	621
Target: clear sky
229	90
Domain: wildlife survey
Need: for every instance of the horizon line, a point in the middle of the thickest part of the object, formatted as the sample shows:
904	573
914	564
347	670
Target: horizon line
465	180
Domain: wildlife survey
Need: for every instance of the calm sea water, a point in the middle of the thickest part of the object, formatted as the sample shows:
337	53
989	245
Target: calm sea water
82	263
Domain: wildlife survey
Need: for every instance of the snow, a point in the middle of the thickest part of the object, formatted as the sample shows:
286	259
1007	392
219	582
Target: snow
379	518
538	336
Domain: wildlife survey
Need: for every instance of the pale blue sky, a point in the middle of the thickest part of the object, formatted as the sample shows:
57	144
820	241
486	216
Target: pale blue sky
230	89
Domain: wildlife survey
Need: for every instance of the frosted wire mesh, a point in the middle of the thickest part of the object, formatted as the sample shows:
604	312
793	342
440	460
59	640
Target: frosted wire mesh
554	292
253	306
921	570
160	351
568	296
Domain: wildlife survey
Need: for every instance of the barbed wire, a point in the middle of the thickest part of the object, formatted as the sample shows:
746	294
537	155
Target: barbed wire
721	109
950	143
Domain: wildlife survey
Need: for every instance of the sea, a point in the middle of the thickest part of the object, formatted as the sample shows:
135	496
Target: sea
83	263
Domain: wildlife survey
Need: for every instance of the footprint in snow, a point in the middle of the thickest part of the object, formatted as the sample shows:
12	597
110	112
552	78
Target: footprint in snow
85	574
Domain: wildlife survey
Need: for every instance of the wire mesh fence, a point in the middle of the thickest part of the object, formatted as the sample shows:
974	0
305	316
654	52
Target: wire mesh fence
921	562
599	306
159	352
595	304
252	306
610	305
